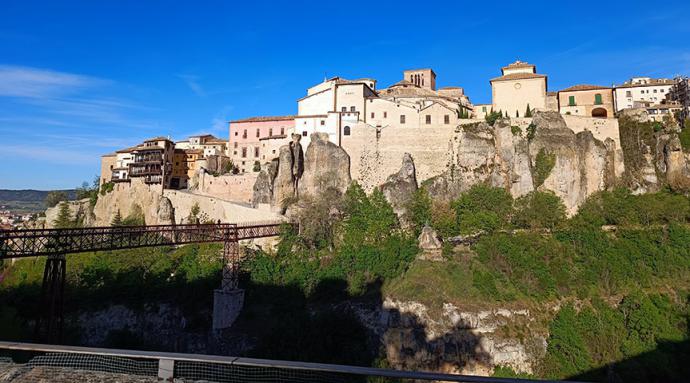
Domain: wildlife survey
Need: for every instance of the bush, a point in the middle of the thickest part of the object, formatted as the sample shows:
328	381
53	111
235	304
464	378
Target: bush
538	210
419	208
135	217
257	166
483	208
492	117
55	197
516	130
543	164
684	136
531	131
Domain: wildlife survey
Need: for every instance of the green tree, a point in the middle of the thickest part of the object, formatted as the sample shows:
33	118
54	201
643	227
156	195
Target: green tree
528	111
492	117
483	208
543	164
566	353
419	209
64	218
257	166
55	197
135	217
539	209
117	219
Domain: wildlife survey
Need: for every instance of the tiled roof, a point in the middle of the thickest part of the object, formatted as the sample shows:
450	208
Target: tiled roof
265	118
403	83
127	150
576	88
159	138
518	76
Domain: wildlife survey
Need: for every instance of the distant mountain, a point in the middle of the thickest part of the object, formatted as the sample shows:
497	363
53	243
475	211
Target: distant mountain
30	195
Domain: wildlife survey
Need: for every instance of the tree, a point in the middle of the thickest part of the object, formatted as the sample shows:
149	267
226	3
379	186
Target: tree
517	114
528	112
117	219
420	209
483	208
193	216
55	197
506	114
539	210
492	117
64	218
257	166
135	217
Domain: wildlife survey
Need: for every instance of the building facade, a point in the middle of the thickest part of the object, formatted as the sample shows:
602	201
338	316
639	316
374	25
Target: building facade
587	100
153	161
518	87
680	94
641	89
246	136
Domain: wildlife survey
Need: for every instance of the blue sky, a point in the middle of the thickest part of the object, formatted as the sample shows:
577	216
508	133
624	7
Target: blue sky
82	78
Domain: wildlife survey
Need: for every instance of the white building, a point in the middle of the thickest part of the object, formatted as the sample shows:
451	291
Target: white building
641	90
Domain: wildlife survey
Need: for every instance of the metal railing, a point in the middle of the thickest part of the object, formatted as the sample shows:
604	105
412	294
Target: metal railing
213	368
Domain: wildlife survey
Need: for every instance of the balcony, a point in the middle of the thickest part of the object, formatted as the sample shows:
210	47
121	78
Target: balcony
145	170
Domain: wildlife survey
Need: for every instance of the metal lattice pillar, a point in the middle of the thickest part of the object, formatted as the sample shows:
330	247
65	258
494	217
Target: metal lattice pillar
50	321
231	260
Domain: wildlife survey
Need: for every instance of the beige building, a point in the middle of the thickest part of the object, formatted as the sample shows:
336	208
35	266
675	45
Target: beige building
107	164
587	100
641	89
518	87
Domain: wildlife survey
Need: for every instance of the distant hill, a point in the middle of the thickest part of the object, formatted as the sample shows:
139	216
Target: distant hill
30	195
27	201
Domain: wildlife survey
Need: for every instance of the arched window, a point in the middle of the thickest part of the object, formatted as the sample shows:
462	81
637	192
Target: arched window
346	130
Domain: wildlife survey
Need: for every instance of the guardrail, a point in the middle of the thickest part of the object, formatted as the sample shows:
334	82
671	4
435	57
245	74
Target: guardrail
213	368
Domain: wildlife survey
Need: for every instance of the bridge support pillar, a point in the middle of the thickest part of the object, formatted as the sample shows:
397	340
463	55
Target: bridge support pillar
227	305
49	323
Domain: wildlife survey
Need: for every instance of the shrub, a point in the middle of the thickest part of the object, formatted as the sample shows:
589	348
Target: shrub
543	164
55	197
516	130
684	136
539	210
135	217
419	208
531	131
483	208
257	166
492	117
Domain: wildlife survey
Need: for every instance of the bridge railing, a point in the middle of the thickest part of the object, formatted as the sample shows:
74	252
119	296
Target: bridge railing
42	242
49	362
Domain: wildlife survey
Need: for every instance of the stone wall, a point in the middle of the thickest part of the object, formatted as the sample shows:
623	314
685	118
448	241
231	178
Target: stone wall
215	208
230	187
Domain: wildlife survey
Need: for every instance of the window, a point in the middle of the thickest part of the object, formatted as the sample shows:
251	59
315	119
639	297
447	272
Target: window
304	133
270	132
372	114
235	145
235	133
385	114
446	119
654	90
428	119
282	131
628	93
244	152
352	109
402	118
343	109
571	100
244	134
323	122
256	151
597	99
346	131
257	132
484	109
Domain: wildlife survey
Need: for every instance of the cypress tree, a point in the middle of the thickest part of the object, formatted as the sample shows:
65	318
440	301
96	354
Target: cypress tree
517	114
64	218
528	112
117	220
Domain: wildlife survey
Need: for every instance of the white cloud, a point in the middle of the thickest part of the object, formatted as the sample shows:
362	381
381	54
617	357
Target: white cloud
27	82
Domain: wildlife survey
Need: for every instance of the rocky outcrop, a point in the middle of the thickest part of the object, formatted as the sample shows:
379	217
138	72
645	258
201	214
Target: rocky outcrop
502	156
80	211
166	212
326	165
400	187
124	198
430	245
455	340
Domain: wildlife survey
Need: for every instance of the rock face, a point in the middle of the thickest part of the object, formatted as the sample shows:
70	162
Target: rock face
455	341
166	212
326	165
400	187
80	210
429	244
501	157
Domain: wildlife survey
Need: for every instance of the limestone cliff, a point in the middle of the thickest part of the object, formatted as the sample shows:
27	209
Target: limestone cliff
326	165
547	156
400	187
80	211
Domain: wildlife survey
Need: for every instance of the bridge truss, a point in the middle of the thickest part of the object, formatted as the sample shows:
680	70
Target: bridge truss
56	243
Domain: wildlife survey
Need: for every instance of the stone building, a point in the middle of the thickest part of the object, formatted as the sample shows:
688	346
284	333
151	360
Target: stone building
153	161
337	106
587	100
518	87
246	136
208	143
641	89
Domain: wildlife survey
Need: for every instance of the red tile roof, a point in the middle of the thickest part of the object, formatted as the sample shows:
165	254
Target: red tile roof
576	88
265	118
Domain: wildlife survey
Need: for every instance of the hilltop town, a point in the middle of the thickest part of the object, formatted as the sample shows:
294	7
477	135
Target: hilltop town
375	127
